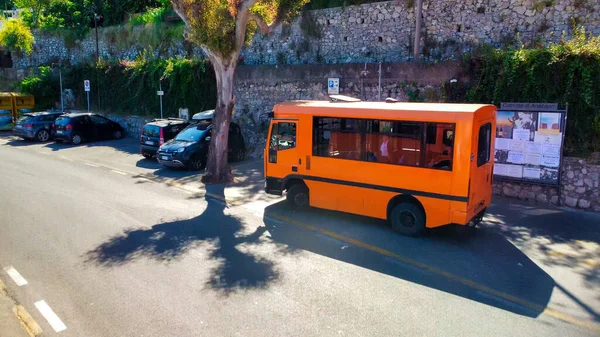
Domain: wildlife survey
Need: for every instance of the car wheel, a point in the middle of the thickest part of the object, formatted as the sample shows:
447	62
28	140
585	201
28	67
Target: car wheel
118	134
407	219
147	155
297	196
76	139
197	163
43	135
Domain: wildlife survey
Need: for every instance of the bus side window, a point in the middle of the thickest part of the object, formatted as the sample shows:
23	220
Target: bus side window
273	143
439	156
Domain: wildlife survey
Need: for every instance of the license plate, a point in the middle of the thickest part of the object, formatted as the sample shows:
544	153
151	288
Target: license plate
59	132
164	158
149	142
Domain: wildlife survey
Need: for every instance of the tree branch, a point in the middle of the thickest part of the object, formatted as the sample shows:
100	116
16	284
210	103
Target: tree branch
264	27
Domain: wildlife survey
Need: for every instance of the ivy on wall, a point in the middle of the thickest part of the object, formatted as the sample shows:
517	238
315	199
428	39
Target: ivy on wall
130	87
566	73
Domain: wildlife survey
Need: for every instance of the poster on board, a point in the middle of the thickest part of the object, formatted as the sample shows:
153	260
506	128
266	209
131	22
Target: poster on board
529	140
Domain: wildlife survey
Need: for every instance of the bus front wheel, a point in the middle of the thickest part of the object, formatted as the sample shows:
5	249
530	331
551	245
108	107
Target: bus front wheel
297	196
407	219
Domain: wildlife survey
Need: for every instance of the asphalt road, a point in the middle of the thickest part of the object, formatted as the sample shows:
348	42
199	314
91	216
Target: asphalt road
115	254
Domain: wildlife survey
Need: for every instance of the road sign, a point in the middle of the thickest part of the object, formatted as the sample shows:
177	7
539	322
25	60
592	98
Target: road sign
86	85
160	93
333	86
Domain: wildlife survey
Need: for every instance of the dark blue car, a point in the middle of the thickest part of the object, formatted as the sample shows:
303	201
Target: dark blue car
36	125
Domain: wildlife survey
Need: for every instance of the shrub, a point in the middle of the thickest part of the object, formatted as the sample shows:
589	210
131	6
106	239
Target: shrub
16	36
43	86
153	16
567	72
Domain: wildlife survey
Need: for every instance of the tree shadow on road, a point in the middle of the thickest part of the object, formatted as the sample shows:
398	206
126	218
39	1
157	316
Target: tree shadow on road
124	145
237	268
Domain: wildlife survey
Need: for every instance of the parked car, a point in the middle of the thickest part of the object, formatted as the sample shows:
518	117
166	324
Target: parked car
189	149
76	128
157	132
36	125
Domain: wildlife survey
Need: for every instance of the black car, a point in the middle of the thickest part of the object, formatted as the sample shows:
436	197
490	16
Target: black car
76	128
189	148
37	125
157	132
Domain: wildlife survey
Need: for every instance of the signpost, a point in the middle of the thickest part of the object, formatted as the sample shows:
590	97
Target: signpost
86	86
529	143
160	94
333	86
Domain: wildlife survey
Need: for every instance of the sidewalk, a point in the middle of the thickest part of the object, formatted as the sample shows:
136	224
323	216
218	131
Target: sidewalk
9	323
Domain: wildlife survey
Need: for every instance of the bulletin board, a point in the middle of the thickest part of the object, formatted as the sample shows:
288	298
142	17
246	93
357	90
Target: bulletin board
529	143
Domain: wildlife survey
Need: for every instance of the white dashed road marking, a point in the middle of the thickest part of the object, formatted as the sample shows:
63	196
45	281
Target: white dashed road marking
119	172
92	165
16	276
50	316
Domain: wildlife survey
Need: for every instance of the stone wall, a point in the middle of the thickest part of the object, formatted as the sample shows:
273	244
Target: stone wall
580	186
259	88
376	32
384	31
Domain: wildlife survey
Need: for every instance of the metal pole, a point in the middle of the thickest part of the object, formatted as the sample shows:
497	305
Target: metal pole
417	44
88	99
160	96
97	59
62	104
379	84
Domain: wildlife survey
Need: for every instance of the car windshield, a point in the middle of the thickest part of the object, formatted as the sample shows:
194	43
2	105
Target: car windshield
25	119
62	121
190	134
151	131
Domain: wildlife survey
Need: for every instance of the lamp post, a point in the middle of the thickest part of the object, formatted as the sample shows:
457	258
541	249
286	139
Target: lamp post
62	101
96	18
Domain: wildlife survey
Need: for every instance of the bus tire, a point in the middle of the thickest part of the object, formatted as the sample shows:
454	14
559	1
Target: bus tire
407	219
297	196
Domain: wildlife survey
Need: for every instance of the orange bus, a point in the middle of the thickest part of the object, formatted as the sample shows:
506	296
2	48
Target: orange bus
418	165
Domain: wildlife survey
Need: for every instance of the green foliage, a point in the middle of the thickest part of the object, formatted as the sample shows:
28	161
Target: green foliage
43	86
212	23
538	6
309	25
152	15
567	73
37	7
16	36
130	87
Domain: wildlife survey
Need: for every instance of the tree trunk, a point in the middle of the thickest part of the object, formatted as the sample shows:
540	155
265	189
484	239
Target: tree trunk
217	168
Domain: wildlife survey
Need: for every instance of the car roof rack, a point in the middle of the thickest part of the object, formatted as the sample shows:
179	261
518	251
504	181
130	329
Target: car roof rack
342	98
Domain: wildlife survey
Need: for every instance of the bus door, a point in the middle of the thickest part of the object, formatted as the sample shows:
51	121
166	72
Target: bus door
480	184
283	158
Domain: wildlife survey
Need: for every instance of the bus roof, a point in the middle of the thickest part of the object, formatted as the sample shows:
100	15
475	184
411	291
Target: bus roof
307	107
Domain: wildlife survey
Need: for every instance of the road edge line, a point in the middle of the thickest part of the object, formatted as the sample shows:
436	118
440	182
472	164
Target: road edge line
27	322
510	298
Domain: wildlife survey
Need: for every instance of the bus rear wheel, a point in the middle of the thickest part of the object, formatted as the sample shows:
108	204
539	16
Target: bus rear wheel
407	219
297	196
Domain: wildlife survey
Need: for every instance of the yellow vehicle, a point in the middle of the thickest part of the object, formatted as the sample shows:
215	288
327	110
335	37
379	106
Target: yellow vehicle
12	105
417	165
